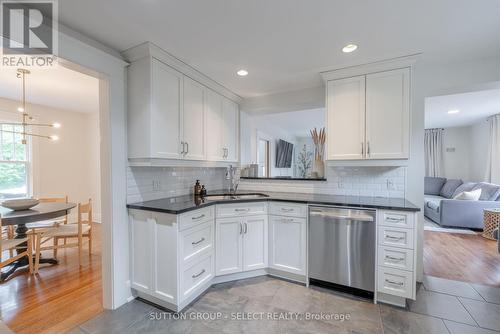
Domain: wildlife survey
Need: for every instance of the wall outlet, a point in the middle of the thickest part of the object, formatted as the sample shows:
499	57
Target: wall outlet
390	184
156	184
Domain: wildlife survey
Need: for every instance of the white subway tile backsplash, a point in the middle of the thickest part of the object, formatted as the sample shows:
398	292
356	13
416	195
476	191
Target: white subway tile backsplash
178	181
355	181
170	181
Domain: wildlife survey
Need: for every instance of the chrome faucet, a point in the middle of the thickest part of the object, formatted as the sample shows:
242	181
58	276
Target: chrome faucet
233	178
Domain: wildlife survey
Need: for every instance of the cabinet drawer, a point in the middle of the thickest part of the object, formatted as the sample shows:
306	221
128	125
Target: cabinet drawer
394	236
396	219
195	275
241	209
395	282
393	257
196	240
193	218
287	209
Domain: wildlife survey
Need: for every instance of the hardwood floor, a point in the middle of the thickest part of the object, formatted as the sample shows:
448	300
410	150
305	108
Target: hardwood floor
59	298
462	257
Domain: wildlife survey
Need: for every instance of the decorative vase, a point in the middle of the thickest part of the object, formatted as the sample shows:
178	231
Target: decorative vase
319	168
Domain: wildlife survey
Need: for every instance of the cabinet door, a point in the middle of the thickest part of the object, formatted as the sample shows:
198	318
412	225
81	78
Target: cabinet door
193	120
213	127
141	250
254	243
387	114
164	257
231	129
345	119
166	122
228	246
287	242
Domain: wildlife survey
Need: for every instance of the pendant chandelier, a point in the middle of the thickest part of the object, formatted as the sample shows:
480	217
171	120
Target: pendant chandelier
26	126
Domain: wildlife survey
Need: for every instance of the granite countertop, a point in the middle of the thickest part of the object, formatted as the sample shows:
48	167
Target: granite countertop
181	204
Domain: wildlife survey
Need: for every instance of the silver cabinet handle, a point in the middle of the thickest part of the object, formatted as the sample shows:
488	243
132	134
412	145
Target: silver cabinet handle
194	243
241	228
199	217
392	219
226	152
241	210
287	220
287	210
394	238
394	258
395	283
362	149
199	274
182	145
187	147
246	228
368	148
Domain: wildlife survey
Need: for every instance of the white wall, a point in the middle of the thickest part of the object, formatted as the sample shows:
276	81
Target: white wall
69	166
456	164
468	161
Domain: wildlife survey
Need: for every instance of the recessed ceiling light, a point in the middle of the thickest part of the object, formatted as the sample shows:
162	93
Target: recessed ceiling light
349	48
242	73
453	111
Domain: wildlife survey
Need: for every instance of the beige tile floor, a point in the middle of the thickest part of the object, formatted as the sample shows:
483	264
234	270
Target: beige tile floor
442	306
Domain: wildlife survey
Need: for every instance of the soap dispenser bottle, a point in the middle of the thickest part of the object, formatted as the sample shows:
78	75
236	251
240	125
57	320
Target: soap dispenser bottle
197	188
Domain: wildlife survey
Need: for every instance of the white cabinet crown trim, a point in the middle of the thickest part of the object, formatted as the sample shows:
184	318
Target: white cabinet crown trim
380	66
150	49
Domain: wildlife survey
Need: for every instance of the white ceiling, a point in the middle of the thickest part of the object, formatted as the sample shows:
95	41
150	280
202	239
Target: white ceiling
59	88
474	106
284	44
297	123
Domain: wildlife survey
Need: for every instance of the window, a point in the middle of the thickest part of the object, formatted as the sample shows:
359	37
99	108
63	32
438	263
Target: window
14	164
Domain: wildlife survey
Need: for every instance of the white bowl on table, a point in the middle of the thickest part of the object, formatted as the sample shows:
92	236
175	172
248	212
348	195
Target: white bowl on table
20	204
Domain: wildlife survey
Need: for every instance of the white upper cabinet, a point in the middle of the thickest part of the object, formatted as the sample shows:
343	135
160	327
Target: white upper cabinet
193	143
368	111
230	129
346	118
154	118
175	114
214	125
221	128
388	114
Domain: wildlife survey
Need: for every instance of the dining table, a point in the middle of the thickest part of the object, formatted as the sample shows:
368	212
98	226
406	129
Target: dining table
40	212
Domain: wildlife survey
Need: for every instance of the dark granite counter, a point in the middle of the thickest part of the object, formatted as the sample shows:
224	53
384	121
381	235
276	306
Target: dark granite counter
181	204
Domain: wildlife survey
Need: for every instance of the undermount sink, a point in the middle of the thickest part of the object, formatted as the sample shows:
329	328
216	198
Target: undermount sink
234	197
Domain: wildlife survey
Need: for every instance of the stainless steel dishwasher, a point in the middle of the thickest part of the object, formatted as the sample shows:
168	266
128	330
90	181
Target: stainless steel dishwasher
342	247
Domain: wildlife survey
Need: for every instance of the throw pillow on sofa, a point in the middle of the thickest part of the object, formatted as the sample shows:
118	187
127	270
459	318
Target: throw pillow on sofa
490	191
467	186
449	188
433	185
469	195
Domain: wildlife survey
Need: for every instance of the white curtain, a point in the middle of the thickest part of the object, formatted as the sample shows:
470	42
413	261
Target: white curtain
493	166
433	143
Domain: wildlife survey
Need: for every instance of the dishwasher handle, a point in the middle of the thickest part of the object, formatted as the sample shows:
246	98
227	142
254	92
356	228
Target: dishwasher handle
342	214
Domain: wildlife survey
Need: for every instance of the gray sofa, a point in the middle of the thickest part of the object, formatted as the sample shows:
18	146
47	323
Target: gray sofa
441	208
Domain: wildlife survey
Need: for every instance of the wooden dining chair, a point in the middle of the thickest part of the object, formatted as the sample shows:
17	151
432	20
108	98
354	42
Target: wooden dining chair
82	229
12	244
8	233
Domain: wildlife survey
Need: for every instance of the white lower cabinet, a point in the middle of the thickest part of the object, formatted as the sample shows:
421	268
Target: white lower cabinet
229	247
396	256
241	244
174	258
287	244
